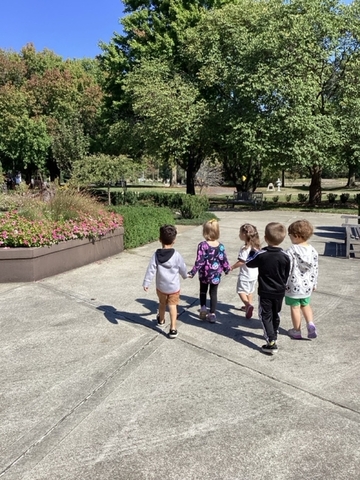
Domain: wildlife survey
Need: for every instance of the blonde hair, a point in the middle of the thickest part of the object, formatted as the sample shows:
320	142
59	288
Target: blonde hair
251	236
275	233
211	230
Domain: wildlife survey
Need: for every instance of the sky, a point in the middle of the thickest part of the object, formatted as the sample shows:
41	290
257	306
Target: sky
70	28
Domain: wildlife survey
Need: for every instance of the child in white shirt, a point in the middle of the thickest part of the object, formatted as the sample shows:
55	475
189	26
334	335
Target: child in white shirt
247	278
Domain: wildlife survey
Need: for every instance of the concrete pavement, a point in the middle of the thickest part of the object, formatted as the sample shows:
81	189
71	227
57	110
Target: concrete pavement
91	389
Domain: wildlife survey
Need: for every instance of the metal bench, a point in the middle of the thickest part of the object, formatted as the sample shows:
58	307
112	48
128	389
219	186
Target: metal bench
352	233
250	198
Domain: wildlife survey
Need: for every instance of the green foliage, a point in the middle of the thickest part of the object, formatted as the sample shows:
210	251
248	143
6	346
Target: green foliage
171	200
104	170
275	199
344	197
200	220
141	224
331	197
193	206
303	197
288	198
49	110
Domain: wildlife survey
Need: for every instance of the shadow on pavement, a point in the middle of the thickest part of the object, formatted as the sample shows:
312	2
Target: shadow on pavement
229	324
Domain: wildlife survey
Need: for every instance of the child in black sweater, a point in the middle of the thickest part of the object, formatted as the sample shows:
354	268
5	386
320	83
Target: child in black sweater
274	267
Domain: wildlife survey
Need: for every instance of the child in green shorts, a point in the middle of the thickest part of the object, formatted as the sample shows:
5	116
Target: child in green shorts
302	278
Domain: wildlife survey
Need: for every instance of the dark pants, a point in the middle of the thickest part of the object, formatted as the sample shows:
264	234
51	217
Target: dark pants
213	295
269	315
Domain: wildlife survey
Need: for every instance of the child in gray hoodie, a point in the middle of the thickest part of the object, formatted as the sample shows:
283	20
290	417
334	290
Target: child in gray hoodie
302	278
167	264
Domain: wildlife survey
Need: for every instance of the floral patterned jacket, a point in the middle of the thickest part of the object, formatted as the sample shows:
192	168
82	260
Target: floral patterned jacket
210	262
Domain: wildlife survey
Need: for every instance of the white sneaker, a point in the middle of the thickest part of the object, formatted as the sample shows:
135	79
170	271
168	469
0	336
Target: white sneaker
212	317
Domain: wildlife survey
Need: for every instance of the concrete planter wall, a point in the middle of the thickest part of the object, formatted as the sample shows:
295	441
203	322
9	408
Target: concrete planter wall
35	263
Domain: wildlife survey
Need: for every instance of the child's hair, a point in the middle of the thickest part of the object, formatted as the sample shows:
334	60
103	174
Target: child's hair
211	230
251	236
167	234
301	229
275	233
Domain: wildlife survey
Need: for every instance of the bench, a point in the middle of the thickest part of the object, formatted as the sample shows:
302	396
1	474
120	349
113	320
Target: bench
250	198
352	233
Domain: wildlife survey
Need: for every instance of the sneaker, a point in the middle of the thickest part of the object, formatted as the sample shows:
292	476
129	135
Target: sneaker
160	323
270	348
173	334
243	308
203	313
249	311
212	318
296	334
312	333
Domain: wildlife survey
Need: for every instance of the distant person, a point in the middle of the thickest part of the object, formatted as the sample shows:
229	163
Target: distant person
274	267
211	261
18	178
302	281
167	264
247	277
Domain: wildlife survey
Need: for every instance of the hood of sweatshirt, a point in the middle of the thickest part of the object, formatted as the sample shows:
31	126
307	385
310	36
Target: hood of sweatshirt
305	257
163	255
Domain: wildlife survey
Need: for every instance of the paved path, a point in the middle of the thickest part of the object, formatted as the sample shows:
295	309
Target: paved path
90	389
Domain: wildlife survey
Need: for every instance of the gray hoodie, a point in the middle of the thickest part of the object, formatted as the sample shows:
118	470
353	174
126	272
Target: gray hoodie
167	263
304	269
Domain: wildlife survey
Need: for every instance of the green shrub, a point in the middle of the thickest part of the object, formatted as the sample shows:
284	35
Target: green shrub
344	197
275	199
331	197
303	197
171	200
141	224
288	198
193	206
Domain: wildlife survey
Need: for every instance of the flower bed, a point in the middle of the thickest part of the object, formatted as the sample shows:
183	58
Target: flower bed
29	264
34	249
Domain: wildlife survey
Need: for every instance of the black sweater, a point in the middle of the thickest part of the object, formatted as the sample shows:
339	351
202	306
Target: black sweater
274	267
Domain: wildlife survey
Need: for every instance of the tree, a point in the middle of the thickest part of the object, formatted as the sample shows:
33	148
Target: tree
271	71
50	110
209	174
102	169
24	141
171	118
154	32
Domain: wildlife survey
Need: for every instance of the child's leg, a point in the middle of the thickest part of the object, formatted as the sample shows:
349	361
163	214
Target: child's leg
246	298
266	318
213	298
203	293
162	309
173	316
308	313
296	316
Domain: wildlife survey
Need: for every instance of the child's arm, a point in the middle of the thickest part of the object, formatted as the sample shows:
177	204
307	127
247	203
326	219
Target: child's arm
199	262
150	272
225	263
238	264
182	267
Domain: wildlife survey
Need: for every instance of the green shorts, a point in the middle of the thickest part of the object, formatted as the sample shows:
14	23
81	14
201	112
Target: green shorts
297	302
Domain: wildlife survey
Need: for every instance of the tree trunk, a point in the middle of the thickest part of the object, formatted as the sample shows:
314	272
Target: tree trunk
351	177
192	166
173	180
190	179
315	185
